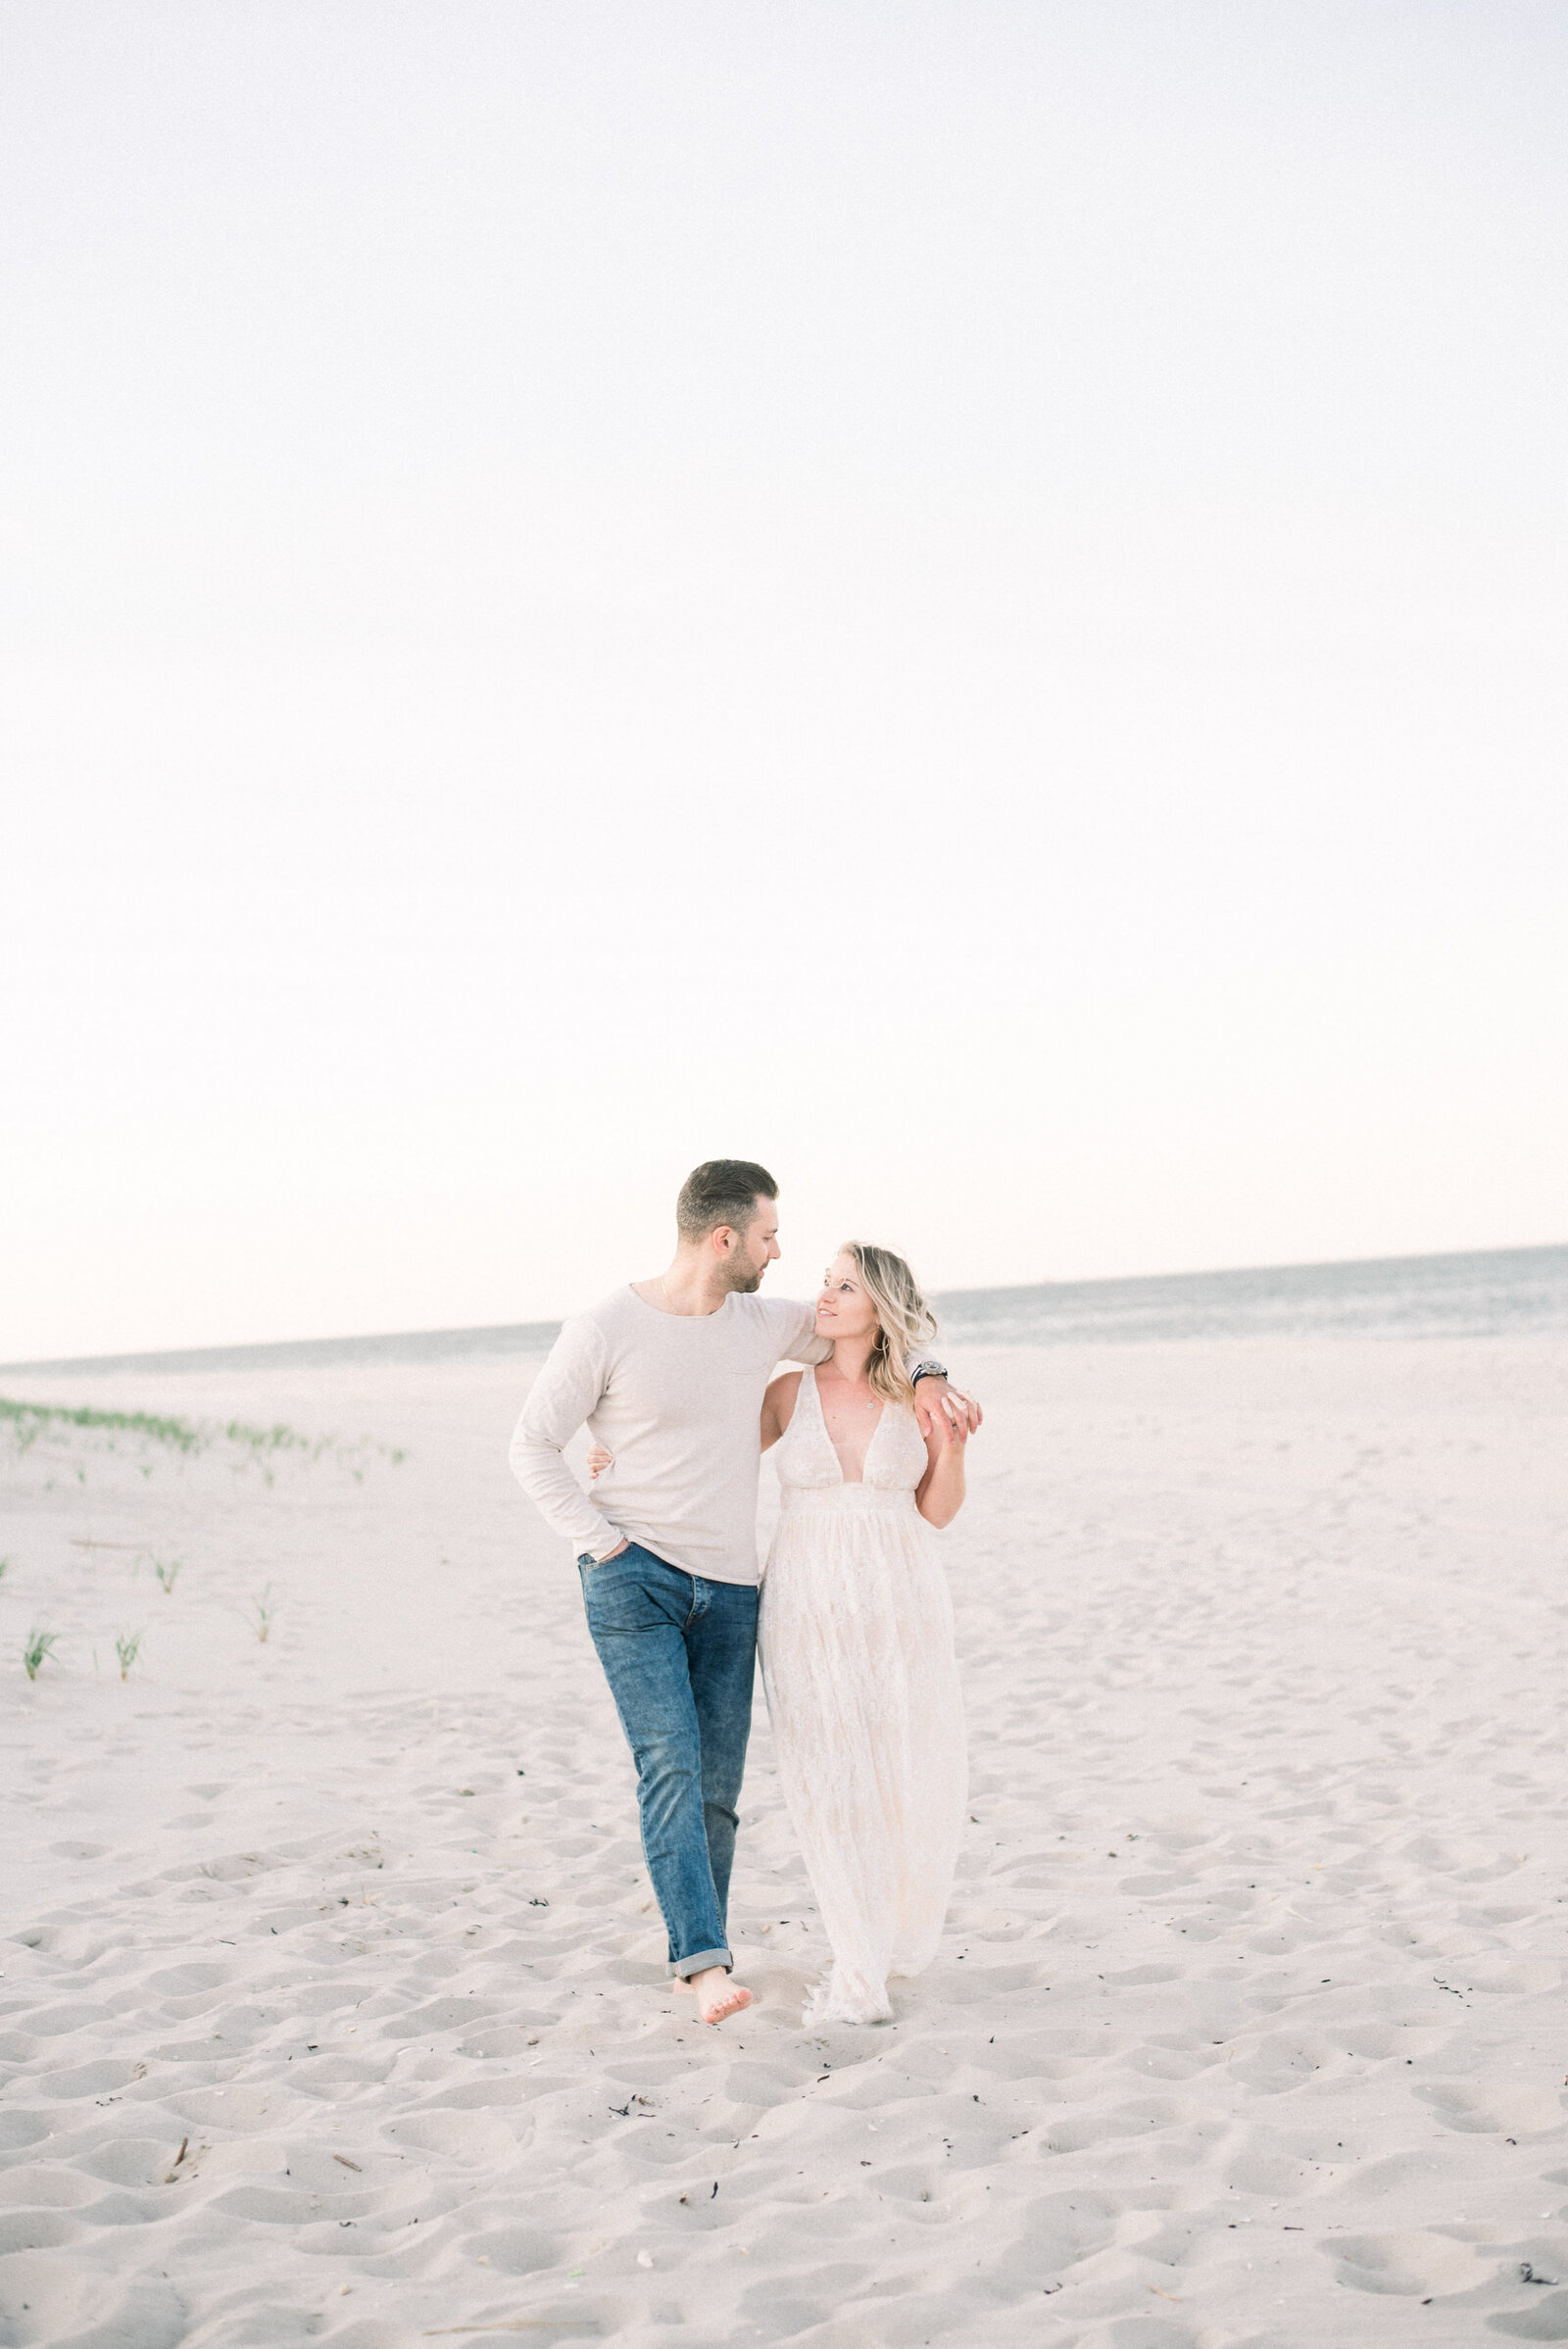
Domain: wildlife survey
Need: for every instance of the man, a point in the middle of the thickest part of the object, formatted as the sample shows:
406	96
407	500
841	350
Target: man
670	1375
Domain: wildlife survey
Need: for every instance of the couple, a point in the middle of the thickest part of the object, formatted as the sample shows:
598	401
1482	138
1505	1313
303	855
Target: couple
674	1377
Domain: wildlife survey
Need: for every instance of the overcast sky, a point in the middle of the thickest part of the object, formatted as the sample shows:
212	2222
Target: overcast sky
964	599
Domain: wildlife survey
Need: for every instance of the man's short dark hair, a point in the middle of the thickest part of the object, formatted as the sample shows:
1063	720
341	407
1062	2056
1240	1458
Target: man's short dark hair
721	1191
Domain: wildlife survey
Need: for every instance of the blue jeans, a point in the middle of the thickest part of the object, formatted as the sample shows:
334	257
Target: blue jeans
679	1655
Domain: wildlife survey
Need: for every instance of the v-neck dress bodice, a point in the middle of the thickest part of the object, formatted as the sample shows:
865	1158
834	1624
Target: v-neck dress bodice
809	1466
855	1636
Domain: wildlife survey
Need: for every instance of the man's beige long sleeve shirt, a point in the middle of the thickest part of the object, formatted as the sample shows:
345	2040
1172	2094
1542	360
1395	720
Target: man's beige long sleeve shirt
678	1400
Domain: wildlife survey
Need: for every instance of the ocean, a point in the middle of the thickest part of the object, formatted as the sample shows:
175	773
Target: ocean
1495	1293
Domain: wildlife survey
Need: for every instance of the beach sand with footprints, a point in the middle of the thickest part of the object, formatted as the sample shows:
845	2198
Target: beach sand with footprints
333	2004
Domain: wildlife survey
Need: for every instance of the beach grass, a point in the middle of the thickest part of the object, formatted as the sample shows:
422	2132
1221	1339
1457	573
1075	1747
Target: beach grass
128	1648
40	1646
263	1614
255	1446
168	1571
29	1421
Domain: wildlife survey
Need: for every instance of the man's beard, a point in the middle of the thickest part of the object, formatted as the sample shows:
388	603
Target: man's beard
744	1283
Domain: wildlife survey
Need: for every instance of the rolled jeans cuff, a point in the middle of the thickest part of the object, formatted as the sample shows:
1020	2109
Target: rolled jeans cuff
683	1968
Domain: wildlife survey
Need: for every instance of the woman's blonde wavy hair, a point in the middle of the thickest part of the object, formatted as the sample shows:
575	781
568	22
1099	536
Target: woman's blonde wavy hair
905	1321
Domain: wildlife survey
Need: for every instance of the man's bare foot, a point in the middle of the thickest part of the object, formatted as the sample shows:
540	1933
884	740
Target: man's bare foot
718	1996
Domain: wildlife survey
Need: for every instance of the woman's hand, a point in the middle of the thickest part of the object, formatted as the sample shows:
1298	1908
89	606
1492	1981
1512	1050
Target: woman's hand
935	1398
599	1460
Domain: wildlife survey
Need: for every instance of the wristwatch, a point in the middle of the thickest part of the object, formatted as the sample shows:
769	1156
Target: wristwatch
928	1370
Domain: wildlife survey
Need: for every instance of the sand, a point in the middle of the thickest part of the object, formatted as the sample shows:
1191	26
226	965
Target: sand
1247	2029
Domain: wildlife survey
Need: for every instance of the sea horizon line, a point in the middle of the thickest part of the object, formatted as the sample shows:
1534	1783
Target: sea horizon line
954	1305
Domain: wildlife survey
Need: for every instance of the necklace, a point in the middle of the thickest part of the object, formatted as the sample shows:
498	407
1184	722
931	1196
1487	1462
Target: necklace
869	1403
668	1299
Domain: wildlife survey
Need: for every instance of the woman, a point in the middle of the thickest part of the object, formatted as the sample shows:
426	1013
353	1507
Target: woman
856	1634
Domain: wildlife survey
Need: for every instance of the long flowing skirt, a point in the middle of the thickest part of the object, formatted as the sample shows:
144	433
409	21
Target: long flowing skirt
856	1633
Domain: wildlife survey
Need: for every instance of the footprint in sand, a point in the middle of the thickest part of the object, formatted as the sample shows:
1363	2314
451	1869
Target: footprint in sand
1545	2321
1510	2112
1418	2264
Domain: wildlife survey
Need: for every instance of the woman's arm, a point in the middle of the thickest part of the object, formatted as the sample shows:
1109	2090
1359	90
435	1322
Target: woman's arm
939	1496
778	1407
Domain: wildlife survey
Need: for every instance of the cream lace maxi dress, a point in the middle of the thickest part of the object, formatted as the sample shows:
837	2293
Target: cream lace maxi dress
856	1633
